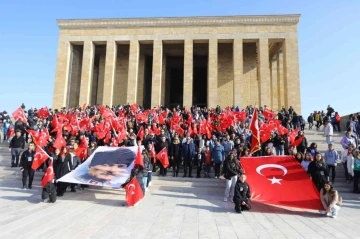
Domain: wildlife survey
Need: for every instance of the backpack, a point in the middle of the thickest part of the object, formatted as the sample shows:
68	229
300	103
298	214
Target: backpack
337	117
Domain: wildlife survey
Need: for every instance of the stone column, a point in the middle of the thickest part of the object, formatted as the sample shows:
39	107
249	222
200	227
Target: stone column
291	74
238	73
133	72
101	75
141	78
188	73
87	72
264	72
212	84
110	66
280	77
156	73
62	75
274	85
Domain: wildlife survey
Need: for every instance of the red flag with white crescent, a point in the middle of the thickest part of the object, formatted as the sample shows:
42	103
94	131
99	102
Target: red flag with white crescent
163	157
39	158
134	192
49	175
280	180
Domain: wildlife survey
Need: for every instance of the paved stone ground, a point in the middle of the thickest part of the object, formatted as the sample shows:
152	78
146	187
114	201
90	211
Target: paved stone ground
173	208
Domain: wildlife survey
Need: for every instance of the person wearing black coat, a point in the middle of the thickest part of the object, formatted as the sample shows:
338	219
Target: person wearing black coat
62	166
199	160
318	171
175	155
242	194
25	165
16	146
231	169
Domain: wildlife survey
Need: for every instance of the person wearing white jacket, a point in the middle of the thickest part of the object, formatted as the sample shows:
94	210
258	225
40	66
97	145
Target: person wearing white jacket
328	132
348	163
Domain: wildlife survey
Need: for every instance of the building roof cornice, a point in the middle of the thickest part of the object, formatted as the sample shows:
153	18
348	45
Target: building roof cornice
290	19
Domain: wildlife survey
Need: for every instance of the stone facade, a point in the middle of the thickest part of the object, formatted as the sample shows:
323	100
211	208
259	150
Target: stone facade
251	60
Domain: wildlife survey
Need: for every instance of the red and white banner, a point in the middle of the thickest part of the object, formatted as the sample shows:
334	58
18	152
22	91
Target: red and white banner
280	180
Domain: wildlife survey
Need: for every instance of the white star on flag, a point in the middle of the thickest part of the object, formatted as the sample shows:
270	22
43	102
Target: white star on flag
275	180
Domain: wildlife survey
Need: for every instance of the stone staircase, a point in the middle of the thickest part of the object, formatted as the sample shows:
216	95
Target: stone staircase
212	186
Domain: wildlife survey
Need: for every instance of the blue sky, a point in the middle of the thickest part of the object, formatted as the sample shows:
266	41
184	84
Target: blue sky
329	37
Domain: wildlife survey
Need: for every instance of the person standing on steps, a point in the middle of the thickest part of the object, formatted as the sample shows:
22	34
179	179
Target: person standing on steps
331	159
199	159
318	171
231	170
16	146
175	155
218	156
25	165
328	131
187	155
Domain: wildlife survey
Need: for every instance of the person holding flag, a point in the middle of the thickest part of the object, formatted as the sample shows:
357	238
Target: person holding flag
160	146
25	165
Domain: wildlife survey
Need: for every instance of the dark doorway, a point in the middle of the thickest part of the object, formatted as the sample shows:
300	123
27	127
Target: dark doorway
200	81
174	81
147	81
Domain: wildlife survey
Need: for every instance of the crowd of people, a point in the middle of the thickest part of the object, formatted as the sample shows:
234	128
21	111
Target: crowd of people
199	138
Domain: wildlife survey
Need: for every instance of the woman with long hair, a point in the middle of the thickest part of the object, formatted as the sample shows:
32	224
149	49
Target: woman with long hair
318	171
231	170
312	149
62	166
307	160
330	200
299	156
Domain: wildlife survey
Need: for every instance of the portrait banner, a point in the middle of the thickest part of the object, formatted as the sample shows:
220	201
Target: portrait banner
106	167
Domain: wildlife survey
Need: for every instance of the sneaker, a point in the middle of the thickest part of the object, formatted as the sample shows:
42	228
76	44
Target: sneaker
150	183
24	187
225	199
231	200
216	177
46	200
146	189
333	216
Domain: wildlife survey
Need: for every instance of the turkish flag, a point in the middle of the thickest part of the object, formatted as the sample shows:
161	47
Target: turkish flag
141	133
133	192
19	115
39	158
43	112
49	175
280	180
139	158
255	133
268	114
60	141
163	157
35	135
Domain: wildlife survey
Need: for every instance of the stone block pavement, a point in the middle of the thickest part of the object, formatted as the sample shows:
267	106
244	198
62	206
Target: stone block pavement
173	208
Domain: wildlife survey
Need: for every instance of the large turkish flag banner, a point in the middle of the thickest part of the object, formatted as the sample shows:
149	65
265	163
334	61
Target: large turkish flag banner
280	180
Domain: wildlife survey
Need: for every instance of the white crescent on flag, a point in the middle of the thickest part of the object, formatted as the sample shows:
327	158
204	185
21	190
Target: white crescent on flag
261	167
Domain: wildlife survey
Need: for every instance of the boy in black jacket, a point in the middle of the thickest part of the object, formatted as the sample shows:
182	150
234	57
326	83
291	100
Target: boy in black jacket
242	194
199	159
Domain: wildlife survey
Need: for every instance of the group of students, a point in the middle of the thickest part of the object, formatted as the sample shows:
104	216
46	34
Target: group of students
220	152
